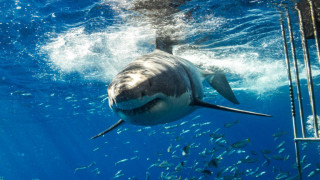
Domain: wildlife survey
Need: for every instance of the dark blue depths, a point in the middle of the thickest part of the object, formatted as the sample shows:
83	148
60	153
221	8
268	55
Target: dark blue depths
48	113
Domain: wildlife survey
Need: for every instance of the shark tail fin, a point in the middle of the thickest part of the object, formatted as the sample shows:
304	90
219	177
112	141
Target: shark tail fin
109	129
198	102
220	83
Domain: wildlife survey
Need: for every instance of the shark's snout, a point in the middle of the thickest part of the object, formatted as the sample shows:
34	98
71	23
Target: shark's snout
124	96
124	93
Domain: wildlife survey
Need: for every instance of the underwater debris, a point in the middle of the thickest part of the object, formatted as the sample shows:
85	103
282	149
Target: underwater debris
241	143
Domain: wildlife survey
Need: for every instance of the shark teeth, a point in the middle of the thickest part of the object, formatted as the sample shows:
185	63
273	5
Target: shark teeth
141	109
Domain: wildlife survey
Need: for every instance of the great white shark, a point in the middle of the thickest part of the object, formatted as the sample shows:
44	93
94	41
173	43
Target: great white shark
160	87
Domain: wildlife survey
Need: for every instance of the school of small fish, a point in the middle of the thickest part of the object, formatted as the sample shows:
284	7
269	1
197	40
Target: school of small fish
219	159
188	161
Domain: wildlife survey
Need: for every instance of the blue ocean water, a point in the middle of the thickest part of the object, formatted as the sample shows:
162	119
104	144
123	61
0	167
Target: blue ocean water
58	57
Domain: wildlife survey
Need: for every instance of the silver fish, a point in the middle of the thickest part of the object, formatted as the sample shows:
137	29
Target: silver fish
228	125
241	143
121	161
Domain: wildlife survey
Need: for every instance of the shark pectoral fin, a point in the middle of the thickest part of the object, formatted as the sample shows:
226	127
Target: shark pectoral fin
220	83
201	103
109	129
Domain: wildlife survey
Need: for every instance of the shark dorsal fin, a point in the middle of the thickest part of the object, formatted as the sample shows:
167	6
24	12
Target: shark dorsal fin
164	44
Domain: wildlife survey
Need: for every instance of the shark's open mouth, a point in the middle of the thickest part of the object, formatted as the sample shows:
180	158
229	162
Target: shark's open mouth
140	109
